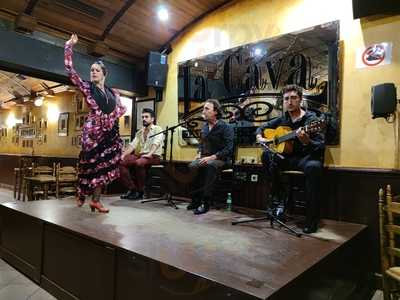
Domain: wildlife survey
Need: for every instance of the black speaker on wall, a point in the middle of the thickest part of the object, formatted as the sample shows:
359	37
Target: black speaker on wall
157	68
365	8
383	100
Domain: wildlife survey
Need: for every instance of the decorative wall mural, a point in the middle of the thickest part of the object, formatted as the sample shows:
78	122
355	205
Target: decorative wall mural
248	79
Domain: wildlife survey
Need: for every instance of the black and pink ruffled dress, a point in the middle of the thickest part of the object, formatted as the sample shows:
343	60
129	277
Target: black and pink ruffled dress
101	142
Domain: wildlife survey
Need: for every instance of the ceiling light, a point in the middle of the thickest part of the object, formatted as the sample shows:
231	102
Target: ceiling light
38	101
162	14
257	51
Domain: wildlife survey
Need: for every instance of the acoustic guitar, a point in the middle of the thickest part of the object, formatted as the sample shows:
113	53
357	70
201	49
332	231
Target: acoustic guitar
280	139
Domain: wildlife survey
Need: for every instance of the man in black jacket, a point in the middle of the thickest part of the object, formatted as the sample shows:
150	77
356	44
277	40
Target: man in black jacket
214	153
308	150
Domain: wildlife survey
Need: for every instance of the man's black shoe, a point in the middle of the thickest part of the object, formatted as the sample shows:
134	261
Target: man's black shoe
138	196
310	227
129	195
194	204
202	209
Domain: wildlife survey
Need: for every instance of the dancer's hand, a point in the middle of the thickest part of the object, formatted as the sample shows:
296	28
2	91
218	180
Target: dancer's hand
73	39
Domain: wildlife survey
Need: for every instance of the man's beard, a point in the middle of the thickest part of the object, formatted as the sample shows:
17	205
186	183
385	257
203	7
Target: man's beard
145	124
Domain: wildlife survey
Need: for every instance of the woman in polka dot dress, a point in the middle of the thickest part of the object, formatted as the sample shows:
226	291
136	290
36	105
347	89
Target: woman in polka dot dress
101	142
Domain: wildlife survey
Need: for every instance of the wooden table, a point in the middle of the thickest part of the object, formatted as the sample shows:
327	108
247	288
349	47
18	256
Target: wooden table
41	180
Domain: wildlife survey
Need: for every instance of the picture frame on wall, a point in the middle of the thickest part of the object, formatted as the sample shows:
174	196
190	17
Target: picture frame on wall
27	132
79	121
79	102
42	124
63	124
127	122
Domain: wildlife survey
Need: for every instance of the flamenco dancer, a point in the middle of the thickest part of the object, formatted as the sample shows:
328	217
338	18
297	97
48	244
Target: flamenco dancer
101	142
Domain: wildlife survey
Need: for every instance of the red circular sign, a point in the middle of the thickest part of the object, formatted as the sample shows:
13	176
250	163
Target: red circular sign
373	55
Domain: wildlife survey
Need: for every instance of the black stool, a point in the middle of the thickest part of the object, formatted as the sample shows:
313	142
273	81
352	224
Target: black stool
293	184
153	181
222	186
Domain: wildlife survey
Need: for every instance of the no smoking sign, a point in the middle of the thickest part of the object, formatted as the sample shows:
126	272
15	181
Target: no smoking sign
374	55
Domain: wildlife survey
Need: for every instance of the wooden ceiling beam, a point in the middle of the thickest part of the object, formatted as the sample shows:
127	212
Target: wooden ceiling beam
30	6
119	14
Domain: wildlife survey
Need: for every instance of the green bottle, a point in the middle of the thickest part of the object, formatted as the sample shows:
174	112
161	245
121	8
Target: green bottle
229	202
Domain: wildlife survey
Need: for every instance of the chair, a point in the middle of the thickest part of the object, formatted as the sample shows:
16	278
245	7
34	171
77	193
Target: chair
389	227
43	170
37	191
66	180
20	172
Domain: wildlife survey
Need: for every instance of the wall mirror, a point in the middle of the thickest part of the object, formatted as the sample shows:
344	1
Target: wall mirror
247	80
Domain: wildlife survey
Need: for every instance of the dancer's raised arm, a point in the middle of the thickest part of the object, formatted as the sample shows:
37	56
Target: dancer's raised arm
73	75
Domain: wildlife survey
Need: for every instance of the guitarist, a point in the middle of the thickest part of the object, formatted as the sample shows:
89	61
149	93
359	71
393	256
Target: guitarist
307	154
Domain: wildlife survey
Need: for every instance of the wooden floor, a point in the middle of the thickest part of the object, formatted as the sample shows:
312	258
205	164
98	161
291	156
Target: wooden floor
252	258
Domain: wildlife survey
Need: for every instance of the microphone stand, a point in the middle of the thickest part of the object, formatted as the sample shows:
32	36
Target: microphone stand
168	196
272	214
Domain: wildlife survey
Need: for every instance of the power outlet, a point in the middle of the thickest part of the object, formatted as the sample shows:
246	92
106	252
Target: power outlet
254	177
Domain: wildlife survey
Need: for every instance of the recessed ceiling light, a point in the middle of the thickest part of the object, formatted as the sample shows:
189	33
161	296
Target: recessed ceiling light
257	51
162	14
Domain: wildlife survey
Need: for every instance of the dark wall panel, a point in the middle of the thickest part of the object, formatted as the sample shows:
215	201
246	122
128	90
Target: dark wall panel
21	242
82	267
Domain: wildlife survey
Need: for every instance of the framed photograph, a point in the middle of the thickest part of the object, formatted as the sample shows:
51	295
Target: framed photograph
79	121
127	121
79	102
63	124
42	124
27	132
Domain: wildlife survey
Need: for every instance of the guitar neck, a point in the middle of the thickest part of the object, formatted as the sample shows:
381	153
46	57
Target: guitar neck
289	136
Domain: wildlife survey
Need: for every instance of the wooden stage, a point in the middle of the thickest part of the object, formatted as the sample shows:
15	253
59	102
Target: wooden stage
152	251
